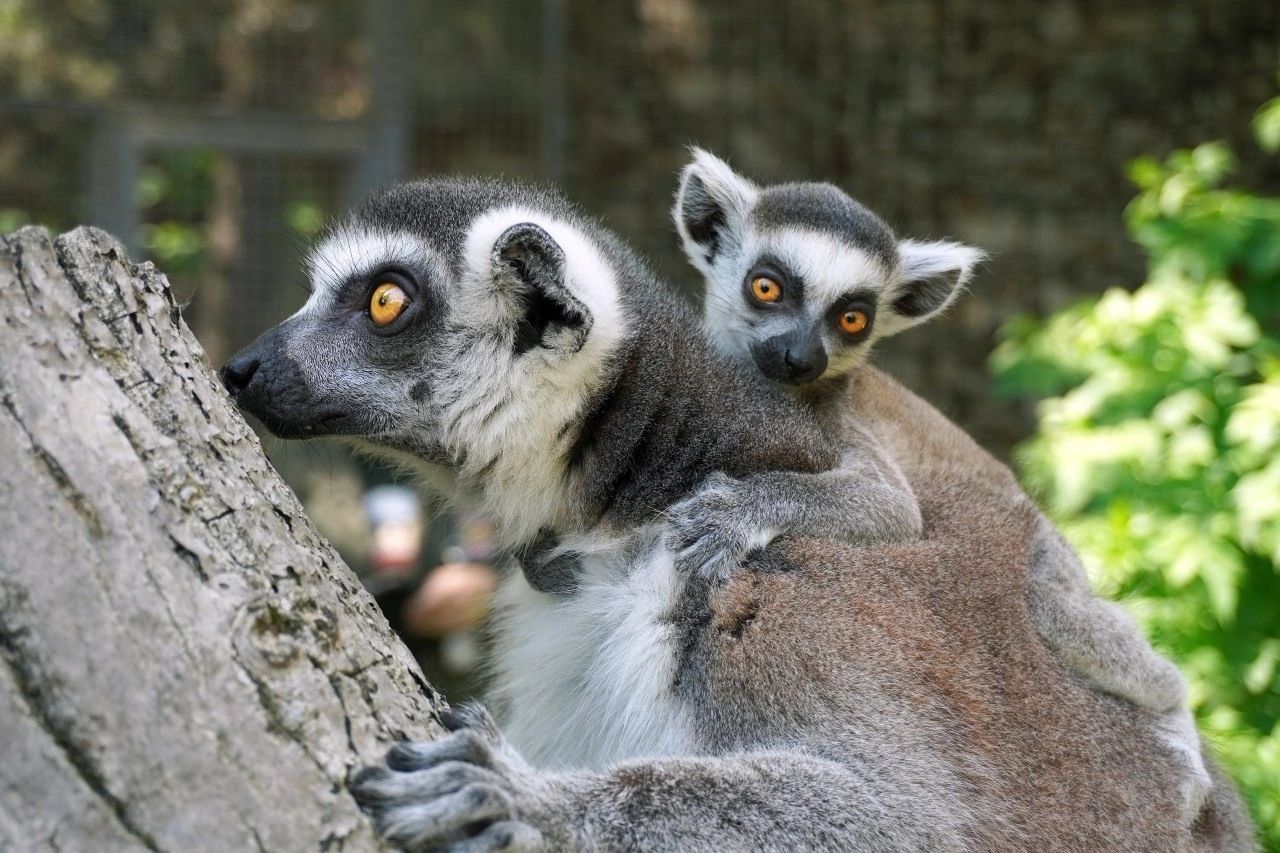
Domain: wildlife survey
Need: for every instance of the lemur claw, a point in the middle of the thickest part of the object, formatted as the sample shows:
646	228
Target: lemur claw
453	794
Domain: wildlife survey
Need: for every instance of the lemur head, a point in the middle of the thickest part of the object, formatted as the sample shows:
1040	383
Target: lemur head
457	323
802	279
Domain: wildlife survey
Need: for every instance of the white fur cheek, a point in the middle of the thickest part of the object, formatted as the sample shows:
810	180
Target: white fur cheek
725	311
730	337
526	441
844	359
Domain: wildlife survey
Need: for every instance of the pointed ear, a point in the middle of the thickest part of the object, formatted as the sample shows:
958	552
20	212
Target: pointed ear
533	268
711	208
930	277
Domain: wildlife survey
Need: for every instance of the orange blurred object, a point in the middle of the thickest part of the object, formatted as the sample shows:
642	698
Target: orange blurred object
453	597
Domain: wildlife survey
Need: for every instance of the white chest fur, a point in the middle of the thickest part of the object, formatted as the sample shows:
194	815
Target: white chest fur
584	681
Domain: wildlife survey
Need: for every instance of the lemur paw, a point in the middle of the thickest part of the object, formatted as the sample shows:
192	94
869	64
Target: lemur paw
713	529
458	793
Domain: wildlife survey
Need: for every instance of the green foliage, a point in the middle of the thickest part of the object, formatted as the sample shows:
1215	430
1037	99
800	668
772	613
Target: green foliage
12	218
1158	447
1267	125
306	218
174	192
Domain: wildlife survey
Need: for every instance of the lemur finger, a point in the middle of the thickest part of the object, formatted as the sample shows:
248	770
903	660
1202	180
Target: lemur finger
453	720
432	823
506	836
474	715
380	787
711	556
468	745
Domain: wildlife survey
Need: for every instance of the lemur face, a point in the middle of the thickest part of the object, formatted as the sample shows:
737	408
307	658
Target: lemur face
800	278
461	323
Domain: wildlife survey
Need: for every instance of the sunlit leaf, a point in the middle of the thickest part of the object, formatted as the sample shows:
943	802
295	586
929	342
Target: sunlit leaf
1266	125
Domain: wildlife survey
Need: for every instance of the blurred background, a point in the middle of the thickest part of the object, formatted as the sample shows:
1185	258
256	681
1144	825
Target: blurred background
1118	161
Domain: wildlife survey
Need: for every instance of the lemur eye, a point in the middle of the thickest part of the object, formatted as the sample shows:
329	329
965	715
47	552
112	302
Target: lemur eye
765	289
854	321
387	303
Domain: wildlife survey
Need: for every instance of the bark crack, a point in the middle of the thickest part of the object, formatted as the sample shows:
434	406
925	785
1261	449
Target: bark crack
30	694
15	246
76	498
342	703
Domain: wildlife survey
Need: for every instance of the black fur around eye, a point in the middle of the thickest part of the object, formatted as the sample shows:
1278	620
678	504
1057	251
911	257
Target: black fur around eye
399	277
853	319
391	299
770	285
765	289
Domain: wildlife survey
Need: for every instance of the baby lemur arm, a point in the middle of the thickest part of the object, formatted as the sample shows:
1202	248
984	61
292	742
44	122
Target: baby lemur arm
470	791
865	500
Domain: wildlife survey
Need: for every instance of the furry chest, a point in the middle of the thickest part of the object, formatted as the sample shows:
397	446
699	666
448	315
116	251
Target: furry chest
586	680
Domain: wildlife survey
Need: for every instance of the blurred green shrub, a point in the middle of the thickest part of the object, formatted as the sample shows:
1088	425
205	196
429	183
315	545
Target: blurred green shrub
1158	445
174	192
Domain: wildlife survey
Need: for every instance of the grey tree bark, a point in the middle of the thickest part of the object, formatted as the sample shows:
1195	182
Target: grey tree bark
184	662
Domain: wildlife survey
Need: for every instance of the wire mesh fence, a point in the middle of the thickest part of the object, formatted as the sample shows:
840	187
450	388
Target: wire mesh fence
216	138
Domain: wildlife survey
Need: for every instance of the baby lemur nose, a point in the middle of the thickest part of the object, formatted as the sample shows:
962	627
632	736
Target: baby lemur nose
239	372
791	357
805	360
805	363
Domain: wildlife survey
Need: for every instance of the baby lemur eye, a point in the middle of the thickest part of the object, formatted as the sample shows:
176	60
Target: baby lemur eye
854	321
387	303
765	289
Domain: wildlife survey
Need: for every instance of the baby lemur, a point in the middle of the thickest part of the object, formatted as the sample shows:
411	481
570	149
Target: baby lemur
801	280
819	696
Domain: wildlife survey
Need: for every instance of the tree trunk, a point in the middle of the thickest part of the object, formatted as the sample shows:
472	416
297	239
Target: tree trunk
184	662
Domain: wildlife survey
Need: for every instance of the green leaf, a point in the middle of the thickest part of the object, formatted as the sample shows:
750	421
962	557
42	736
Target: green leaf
1266	125
1263	669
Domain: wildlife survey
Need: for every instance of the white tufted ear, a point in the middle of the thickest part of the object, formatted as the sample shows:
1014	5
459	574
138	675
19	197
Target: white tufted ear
528	262
711	208
931	275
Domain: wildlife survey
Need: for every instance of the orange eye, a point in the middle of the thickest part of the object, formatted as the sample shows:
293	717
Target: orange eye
388	302
854	321
765	289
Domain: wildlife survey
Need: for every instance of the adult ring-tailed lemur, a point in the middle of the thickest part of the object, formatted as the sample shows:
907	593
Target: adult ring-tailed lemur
820	695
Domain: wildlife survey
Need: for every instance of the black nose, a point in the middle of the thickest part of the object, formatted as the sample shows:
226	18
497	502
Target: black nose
793	357
805	363
238	372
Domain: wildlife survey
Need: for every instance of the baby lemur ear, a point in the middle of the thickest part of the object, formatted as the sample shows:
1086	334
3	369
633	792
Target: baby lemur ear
534	269
930	277
712	205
